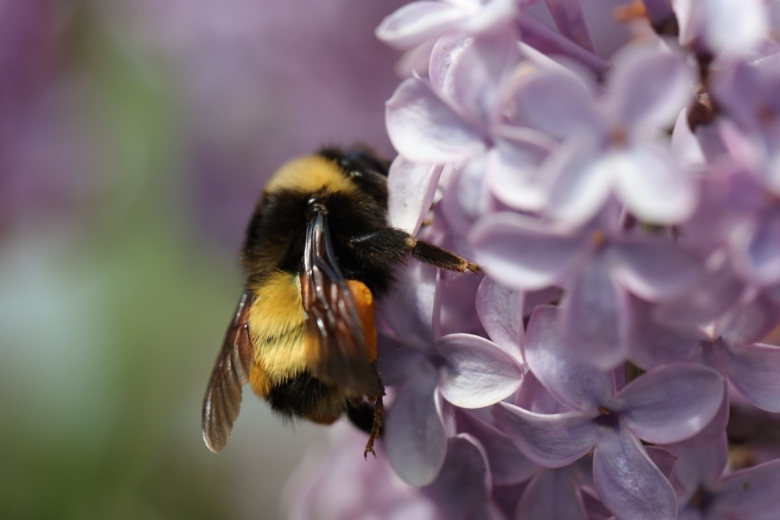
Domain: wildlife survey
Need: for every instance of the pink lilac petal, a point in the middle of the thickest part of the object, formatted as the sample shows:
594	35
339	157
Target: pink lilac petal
396	358
463	487
467	197
417	22
735	28
715	215
684	144
411	187
424	129
657	10
595	318
458	294
415	61
507	465
544	39
753	370
773	293
533	299
552	441
440	66
312	492
492	16
763	249
513	173
715	428
552	493
671	403
627	481
581	181
749	323
596	510
738	88
570	20
500	310
648	87
575	384
478	74
653	269
516	253
718	289
534	397
415	438
558	103
651	183
409	311
752	493
476	372
699	466
712	140
447	413
662	458
747	89
689	17
652	344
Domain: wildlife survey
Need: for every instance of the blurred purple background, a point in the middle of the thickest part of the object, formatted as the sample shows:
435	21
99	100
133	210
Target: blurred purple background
135	139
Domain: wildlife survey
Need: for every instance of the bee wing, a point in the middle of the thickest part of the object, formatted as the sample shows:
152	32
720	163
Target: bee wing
336	350
223	395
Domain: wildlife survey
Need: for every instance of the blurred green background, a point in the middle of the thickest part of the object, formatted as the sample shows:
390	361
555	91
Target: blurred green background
135	138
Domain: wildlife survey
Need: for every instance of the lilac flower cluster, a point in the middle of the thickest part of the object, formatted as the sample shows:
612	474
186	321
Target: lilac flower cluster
626	213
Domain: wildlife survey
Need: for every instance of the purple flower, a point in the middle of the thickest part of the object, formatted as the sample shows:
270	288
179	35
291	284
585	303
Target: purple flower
625	212
730	345
611	144
722	26
418	22
707	491
461	491
458	118
596	266
460	370
663	406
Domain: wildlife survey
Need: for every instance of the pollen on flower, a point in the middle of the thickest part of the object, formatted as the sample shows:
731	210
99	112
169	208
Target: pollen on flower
598	238
618	136
607	419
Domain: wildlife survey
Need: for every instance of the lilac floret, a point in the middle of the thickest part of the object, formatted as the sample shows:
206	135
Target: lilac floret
617	357
596	266
706	490
664	406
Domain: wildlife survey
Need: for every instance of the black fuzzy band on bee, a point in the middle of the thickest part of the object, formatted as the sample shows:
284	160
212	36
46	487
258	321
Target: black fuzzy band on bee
347	217
318	251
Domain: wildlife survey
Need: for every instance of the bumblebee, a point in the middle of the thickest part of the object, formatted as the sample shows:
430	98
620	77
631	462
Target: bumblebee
318	250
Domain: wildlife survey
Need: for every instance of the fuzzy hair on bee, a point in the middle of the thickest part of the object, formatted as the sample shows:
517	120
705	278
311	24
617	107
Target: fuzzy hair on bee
318	251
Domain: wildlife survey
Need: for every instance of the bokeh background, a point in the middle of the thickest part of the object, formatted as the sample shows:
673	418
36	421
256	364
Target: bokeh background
135	138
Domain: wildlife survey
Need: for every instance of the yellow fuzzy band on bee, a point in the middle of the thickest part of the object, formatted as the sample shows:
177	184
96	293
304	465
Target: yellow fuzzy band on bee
278	327
311	174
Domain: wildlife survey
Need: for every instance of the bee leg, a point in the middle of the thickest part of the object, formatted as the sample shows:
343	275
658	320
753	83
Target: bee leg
368	419
390	244
376	429
436	256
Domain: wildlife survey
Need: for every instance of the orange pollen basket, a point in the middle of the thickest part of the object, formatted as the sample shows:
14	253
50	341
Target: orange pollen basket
364	303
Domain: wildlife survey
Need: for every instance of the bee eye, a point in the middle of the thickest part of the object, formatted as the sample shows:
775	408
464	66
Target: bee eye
355	173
